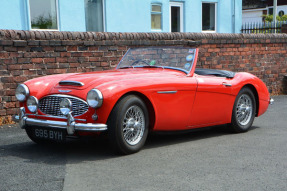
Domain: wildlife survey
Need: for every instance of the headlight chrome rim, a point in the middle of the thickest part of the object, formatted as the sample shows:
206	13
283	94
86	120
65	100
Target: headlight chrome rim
95	98
32	104
22	92
65	106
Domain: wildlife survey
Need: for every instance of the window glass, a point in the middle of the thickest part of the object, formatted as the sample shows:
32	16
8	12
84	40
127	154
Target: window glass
156	17
175	19
270	11
208	16
43	14
94	15
281	13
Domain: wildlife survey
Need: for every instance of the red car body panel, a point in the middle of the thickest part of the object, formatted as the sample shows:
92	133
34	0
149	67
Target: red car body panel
196	101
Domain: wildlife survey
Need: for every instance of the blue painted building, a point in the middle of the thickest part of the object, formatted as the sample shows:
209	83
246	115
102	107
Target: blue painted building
222	16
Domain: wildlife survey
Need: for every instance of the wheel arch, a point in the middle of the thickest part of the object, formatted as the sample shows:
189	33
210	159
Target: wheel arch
147	102
255	93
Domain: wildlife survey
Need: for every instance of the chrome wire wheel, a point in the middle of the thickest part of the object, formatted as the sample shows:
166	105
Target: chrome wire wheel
244	109
133	125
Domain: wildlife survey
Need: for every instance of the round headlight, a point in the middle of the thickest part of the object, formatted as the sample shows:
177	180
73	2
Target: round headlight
32	104
22	92
65	106
95	98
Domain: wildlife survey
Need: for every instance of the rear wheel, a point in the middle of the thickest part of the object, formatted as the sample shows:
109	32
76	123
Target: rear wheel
128	125
243	113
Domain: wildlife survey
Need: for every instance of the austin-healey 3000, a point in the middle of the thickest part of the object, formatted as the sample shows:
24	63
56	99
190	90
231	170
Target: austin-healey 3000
151	89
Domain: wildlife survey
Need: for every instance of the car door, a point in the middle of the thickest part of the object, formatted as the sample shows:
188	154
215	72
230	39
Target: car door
213	101
173	103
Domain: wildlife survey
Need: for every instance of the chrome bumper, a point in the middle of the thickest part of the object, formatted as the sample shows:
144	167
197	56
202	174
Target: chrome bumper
70	125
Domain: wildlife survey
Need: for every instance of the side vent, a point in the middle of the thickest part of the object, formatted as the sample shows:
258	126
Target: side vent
71	83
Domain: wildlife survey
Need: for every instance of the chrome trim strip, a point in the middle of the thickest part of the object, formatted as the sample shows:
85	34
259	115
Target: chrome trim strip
226	84
71	83
64	125
167	92
70	125
51	116
64	95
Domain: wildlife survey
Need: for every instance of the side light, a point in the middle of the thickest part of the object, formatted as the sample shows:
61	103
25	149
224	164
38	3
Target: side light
32	104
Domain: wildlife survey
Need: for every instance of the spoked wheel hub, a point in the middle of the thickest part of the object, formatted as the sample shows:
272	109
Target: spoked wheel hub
133	125
244	109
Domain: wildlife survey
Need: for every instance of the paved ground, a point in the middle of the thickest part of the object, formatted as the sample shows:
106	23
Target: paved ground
206	160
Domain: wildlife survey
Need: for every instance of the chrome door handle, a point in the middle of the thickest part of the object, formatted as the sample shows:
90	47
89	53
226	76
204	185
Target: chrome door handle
226	84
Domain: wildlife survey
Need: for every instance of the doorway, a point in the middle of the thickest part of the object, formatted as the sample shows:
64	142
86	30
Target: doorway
176	17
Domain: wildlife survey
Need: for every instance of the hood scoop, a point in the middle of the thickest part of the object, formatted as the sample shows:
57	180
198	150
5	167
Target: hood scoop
71	83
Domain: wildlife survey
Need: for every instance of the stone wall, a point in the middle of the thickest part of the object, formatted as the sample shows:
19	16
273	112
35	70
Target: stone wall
29	54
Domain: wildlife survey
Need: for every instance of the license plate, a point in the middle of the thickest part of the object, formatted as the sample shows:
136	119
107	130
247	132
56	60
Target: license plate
56	135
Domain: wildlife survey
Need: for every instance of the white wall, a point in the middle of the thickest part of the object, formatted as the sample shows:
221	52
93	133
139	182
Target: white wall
282	8
252	16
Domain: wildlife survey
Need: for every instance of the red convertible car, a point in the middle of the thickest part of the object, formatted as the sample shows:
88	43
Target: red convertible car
152	89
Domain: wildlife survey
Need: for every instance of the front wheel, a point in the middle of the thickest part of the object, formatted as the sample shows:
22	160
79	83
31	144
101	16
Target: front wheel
243	113
128	125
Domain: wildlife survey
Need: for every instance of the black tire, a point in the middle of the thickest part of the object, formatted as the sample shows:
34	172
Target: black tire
244	109
122	123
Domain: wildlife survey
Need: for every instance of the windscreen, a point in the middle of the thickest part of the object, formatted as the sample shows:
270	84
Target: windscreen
178	58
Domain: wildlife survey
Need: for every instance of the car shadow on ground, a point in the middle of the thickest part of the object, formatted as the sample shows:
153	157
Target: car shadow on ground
98	149
170	138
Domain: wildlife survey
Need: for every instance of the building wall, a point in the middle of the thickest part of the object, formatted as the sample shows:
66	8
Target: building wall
125	15
72	15
251	16
282	8
30	54
14	14
135	16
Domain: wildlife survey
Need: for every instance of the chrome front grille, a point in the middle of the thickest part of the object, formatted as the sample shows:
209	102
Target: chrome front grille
50	105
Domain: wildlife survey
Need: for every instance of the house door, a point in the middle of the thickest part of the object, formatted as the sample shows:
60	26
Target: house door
176	17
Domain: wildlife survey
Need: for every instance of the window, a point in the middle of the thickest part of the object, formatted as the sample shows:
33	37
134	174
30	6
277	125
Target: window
208	17
43	14
281	13
176	17
270	11
94	15
156	17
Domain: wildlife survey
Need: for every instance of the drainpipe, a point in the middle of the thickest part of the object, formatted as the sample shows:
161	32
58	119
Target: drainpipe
275	12
233	16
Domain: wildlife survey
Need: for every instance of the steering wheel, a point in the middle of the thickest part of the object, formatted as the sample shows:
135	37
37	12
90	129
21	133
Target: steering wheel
139	60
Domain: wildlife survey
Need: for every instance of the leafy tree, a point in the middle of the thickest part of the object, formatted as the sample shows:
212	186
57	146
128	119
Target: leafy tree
269	18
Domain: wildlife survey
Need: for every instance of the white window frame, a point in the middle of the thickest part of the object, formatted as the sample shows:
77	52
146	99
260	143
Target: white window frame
180	5
104	16
29	18
209	31
157	30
